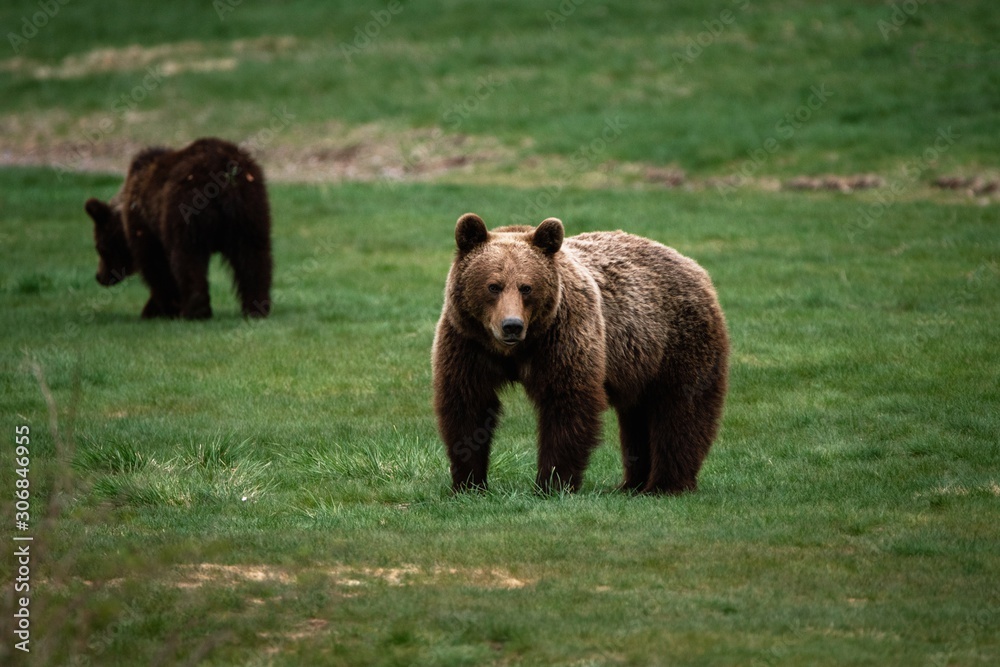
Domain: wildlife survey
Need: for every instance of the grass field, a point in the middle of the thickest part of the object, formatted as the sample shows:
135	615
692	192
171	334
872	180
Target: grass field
275	493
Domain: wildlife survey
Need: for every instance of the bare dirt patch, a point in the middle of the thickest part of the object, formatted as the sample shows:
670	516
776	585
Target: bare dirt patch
327	152
974	186
835	183
410	575
337	152
171	59
333	151
991	488
308	629
196	576
215	574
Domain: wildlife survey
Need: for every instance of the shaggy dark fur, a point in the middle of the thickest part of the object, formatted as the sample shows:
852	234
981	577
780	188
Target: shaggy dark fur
602	318
174	211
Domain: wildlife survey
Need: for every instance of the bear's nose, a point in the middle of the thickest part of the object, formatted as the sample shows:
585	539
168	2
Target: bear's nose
512	326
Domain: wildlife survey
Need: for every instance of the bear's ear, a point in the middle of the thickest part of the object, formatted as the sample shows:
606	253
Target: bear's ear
98	210
549	236
470	232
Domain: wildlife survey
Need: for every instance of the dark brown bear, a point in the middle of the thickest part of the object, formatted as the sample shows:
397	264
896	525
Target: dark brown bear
597	319
174	211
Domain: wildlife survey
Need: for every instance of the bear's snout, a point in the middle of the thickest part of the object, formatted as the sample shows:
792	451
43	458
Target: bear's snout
513	329
509	331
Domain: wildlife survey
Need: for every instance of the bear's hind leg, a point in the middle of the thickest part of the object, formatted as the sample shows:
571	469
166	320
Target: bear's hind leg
191	271
682	426
633	430
252	266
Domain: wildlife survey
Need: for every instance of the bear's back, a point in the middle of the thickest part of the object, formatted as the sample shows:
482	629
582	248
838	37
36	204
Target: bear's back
654	300
639	270
202	162
209	183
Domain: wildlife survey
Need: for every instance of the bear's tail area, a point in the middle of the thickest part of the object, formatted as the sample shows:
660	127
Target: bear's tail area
249	244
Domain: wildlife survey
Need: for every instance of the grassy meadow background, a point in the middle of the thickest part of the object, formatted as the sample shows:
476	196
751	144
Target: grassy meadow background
275	493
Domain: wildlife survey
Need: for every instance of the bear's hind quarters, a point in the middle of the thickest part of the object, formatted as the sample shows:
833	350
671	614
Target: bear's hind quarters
175	209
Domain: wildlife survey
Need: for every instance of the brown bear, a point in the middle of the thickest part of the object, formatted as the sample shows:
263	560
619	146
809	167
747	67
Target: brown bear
595	319
177	208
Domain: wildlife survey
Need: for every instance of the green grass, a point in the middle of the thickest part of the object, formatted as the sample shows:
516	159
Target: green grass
847	513
275	493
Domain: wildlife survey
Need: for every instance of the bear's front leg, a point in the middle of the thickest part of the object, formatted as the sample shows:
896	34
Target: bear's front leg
467	406
566	384
466	424
569	429
164	298
468	444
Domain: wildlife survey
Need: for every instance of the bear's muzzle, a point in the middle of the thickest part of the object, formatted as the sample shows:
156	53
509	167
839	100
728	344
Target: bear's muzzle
511	331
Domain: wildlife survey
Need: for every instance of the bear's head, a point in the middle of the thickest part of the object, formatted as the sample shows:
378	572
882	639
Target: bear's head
116	261
504	286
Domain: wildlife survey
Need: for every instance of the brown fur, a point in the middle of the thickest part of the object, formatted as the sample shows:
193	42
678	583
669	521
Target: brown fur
174	211
607	318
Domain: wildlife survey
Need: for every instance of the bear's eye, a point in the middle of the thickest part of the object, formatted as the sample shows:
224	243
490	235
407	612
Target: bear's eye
525	290
494	288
